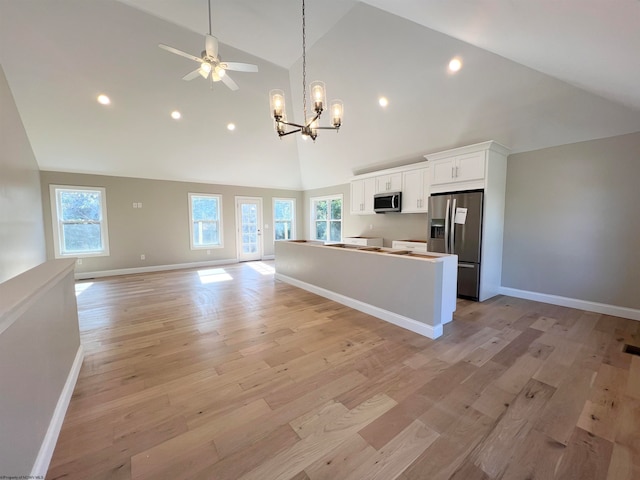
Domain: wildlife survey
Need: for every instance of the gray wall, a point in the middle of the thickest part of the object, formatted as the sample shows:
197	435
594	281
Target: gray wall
21	227
572	221
160	230
389	226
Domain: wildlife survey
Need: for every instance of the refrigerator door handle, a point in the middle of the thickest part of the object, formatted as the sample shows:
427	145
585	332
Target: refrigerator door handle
446	228
452	226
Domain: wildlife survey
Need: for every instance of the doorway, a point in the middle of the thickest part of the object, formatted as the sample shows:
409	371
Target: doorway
249	228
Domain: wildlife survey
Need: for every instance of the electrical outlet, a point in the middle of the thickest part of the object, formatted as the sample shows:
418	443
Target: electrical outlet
142	257
135	205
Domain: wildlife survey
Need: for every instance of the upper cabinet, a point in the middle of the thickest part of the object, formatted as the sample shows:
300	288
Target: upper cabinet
461	168
362	192
389	183
415	190
465	168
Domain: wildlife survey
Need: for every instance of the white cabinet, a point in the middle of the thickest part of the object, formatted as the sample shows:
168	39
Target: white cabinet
411	245
363	241
459	169
389	183
415	191
362	192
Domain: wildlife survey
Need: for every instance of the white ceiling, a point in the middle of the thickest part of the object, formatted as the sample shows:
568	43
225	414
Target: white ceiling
536	74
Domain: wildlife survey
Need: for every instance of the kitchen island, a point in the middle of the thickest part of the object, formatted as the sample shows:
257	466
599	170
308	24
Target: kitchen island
415	291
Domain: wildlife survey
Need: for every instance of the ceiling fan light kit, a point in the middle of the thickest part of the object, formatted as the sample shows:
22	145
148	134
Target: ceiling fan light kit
318	95
211	65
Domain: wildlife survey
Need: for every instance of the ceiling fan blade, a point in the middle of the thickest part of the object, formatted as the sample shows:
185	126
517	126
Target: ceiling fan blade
192	75
229	82
211	46
179	52
239	67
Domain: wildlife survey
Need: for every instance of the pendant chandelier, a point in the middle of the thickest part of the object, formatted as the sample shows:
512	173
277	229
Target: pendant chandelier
318	95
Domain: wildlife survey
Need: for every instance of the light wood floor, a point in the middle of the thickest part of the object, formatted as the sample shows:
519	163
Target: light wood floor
228	374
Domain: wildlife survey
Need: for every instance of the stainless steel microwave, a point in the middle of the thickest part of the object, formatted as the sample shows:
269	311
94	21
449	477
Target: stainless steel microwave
387	202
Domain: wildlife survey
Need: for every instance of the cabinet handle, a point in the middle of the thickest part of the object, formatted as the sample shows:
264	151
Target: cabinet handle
457	172
452	175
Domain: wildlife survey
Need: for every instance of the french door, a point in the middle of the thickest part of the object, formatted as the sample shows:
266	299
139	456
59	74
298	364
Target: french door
249	228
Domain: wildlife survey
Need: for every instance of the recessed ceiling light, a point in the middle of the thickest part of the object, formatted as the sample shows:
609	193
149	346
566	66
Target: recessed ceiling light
455	65
103	99
383	101
231	126
176	115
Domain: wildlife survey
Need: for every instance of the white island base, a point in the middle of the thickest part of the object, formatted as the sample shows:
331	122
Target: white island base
411	290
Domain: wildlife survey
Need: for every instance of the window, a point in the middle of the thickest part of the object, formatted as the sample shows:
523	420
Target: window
284	215
326	218
79	216
205	220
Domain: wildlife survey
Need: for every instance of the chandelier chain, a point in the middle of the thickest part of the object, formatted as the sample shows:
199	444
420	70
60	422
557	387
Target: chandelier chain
304	67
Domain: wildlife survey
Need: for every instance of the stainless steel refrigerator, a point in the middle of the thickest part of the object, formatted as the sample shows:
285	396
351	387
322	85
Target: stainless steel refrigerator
455	226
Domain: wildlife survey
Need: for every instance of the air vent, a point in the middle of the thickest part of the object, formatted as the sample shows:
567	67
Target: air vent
632	349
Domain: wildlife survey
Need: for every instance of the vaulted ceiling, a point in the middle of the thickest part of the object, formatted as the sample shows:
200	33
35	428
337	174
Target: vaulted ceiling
535	74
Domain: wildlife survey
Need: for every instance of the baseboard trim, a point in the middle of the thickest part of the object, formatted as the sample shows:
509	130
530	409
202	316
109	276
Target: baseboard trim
596	307
430	331
45	454
153	268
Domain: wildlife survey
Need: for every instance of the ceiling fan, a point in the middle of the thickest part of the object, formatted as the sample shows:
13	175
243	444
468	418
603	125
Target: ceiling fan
211	65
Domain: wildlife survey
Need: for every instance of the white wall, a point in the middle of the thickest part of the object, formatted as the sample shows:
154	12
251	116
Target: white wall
21	225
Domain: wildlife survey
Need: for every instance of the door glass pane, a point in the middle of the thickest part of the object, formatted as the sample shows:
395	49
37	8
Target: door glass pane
249	228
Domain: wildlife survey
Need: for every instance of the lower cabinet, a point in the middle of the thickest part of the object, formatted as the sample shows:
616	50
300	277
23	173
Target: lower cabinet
413	246
363	241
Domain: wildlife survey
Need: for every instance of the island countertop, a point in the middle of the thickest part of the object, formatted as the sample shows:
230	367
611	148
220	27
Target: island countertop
413	290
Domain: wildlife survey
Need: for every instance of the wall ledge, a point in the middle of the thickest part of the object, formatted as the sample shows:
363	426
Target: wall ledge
19	293
596	307
152	268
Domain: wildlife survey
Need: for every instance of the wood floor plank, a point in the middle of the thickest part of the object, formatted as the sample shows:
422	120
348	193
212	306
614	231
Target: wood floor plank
313	447
344	458
562	412
496	451
255	378
392	459
586	457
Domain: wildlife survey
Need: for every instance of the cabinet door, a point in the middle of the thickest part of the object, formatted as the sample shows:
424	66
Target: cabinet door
362	192
368	191
470	167
443	171
415	191
389	183
357	197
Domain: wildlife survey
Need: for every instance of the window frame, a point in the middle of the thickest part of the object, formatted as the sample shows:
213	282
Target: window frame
312	216
57	223
293	216
220	243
